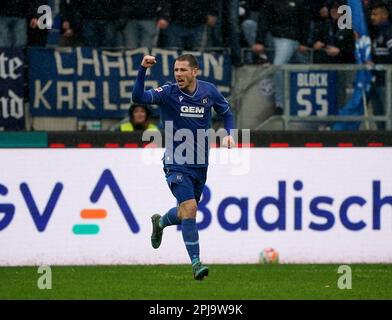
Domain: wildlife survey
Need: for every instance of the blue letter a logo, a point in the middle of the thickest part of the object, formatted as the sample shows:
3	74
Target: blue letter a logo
107	179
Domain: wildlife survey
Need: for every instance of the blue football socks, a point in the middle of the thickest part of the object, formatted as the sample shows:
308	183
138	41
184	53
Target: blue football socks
191	239
170	218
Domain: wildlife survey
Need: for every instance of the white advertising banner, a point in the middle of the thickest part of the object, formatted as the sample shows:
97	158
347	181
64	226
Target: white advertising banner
93	206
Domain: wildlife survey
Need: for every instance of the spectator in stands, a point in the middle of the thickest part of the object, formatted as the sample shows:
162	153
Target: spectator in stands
249	30
184	22
226	32
38	36
16	17
140	28
71	24
319	12
368	5
332	44
99	21
288	22
139	119
382	54
249	23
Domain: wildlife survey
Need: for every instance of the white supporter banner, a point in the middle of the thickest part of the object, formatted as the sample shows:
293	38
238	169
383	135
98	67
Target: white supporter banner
327	205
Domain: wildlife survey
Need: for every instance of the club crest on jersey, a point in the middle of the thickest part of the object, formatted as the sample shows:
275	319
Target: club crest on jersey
204	100
159	89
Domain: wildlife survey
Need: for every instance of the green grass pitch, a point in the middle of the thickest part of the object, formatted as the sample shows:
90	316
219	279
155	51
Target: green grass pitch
236	282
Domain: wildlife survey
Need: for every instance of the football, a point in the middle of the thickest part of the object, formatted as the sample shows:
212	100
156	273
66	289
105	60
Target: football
269	256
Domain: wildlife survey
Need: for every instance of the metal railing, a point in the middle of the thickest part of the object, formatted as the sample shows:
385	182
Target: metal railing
269	52
287	118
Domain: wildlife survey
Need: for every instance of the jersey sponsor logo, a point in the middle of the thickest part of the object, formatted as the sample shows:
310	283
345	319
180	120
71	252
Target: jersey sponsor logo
192	112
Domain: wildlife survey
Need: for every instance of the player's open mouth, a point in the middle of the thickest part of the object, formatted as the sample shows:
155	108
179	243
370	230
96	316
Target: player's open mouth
180	81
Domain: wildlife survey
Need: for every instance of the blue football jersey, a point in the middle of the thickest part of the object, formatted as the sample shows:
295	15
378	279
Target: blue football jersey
180	110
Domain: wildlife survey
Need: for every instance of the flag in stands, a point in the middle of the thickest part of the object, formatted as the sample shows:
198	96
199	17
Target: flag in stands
356	105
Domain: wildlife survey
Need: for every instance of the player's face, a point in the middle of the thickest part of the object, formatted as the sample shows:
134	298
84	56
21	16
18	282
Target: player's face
185	75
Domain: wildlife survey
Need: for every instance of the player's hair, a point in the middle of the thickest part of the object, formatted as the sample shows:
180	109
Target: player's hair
382	6
190	58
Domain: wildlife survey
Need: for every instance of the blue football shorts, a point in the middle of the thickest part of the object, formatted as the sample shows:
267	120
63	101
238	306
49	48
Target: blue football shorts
186	183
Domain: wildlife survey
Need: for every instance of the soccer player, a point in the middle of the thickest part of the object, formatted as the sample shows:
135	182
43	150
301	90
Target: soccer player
186	104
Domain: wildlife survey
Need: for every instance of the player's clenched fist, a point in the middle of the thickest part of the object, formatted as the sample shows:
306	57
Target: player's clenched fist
148	61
